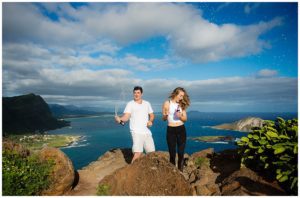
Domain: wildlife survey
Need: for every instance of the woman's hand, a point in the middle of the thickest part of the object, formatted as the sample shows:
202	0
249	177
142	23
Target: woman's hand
178	114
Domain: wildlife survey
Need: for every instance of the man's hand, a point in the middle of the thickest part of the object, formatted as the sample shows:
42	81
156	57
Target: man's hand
149	123
117	118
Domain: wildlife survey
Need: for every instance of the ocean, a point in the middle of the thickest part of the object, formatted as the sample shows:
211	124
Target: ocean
101	133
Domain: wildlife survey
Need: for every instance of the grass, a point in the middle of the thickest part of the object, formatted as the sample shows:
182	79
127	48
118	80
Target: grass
36	142
103	190
208	138
199	161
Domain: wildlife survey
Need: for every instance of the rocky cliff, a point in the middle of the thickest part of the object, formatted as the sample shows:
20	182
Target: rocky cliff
243	125
205	173
27	114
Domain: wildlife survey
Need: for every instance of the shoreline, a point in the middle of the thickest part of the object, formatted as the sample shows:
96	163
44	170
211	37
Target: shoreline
38	141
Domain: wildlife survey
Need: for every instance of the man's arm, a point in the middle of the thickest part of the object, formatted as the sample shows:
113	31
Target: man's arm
125	117
151	119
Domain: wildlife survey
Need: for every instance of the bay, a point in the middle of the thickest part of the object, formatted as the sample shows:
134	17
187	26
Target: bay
101	133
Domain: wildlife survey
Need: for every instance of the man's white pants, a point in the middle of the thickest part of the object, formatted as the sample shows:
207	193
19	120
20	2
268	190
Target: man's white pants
142	140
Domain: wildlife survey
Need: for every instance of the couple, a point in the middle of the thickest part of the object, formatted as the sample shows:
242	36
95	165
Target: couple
141	118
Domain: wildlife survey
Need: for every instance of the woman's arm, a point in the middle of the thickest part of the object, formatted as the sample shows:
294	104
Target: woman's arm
165	110
182	116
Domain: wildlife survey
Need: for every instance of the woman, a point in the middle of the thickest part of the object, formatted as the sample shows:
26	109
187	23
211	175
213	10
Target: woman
174	110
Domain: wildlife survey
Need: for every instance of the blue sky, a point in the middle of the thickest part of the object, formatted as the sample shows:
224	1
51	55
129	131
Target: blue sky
232	57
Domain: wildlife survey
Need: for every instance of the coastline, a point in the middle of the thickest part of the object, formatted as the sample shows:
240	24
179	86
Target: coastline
37	141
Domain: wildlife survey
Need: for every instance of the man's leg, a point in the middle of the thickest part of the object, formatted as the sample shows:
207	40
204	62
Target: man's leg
136	155
149	144
137	147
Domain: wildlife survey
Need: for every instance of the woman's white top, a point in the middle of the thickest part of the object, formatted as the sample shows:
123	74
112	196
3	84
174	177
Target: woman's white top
173	108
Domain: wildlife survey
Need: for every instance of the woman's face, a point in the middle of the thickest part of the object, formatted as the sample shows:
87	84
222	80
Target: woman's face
179	96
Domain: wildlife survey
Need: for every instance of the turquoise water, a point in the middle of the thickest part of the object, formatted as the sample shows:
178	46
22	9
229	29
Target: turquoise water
101	134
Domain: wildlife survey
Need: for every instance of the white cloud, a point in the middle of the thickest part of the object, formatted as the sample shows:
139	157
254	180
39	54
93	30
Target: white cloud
189	34
267	73
238	93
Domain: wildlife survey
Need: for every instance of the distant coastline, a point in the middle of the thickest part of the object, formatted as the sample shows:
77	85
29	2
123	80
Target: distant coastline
38	141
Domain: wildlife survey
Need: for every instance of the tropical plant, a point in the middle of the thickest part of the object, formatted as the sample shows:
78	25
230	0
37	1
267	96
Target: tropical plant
273	147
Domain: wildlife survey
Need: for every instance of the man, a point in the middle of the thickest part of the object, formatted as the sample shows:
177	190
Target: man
141	117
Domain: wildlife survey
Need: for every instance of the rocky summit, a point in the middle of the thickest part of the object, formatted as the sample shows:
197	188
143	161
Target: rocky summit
149	175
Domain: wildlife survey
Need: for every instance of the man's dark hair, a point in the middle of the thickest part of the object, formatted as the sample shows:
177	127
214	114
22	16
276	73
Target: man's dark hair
138	88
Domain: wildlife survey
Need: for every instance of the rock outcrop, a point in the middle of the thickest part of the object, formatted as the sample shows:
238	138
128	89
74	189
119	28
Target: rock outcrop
243	125
149	175
62	174
87	179
28	114
200	176
246	182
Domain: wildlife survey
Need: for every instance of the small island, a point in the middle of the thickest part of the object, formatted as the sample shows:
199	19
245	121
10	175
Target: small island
243	125
213	138
38	141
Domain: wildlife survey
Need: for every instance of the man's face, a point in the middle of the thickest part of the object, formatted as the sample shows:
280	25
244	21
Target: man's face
137	95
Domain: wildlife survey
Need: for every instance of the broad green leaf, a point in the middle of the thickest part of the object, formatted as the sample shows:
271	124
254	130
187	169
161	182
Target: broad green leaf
283	179
263	142
260	150
256	137
294	182
279	150
266	165
245	139
278	176
295	149
284	137
272	134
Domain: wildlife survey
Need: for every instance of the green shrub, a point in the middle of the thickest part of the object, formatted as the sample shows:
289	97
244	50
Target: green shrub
103	190
24	175
273	147
199	161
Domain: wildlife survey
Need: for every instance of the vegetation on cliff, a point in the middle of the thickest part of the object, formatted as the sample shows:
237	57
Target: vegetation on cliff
274	147
23	173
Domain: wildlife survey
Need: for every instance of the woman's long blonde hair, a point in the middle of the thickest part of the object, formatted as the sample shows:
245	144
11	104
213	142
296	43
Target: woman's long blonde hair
185	102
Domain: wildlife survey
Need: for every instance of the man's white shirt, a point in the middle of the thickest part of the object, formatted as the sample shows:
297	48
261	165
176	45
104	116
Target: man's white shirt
139	116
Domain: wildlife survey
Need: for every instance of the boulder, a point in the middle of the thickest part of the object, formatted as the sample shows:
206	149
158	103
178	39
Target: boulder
148	175
62	175
246	182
